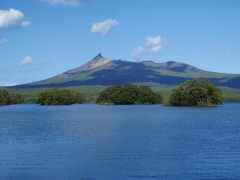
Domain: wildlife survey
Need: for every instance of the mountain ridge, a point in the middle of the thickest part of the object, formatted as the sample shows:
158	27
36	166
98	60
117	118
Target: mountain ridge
106	71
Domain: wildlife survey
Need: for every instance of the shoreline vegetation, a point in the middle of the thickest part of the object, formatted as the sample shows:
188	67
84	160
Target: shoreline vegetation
9	98
91	95
196	93
128	95
60	97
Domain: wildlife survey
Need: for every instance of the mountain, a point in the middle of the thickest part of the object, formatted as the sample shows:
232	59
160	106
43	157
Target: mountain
105	71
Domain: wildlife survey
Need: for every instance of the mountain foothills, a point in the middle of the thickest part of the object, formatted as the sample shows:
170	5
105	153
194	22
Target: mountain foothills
107	72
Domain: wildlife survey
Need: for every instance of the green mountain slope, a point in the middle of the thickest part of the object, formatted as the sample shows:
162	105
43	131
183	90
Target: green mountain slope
105	71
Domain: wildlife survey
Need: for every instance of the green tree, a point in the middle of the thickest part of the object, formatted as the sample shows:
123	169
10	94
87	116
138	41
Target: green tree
8	98
196	92
129	94
60	97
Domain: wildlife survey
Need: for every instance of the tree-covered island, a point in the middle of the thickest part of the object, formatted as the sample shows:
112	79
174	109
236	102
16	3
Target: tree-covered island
196	92
60	97
128	94
8	98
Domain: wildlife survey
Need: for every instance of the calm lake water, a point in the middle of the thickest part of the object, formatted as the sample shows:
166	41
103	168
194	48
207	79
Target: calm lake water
119	142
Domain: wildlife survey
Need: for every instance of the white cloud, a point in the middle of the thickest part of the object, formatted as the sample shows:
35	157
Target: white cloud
11	18
154	40
64	2
25	23
153	44
27	60
104	27
3	40
155	49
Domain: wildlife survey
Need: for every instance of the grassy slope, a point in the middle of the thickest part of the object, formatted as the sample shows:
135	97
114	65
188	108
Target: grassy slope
125	66
230	95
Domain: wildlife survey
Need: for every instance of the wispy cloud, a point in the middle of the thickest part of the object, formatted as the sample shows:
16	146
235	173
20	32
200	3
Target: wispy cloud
137	52
65	2
104	27
27	60
3	40
12	18
25	24
153	44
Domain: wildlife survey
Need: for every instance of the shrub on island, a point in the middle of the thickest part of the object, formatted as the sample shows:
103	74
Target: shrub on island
129	94
196	92
8	98
60	97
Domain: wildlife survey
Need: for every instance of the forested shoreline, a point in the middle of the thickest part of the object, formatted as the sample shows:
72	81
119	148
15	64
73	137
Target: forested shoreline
128	94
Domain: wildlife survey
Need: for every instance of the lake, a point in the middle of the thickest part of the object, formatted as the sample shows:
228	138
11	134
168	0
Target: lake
119	142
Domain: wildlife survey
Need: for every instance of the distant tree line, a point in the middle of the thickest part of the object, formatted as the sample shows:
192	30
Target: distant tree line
60	97
8	98
196	92
129	94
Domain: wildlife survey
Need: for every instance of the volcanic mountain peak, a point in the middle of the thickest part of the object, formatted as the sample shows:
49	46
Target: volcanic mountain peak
105	71
98	57
97	61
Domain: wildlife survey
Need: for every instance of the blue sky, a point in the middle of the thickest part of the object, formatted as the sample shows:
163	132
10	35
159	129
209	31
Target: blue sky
42	38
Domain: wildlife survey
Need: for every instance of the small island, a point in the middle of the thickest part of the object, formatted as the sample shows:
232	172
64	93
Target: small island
60	97
196	92
128	95
8	98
